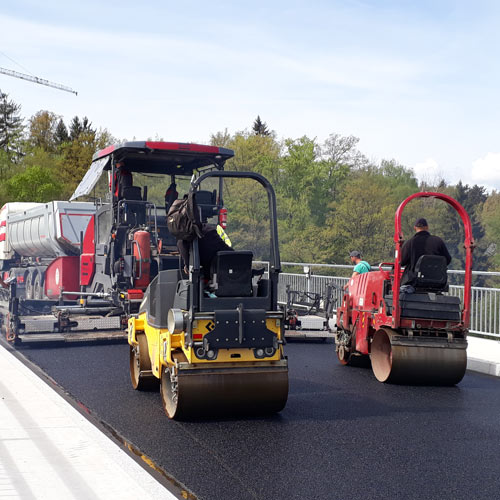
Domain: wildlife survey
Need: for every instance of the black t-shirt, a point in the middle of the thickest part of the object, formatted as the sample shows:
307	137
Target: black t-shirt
422	243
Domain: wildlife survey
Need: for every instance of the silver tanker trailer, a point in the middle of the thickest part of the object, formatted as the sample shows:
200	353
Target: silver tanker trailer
40	246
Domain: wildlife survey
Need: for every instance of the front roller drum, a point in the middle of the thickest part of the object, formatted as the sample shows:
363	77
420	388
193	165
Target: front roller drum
194	393
416	364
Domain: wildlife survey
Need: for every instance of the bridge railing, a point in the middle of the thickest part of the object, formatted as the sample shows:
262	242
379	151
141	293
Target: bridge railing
485	305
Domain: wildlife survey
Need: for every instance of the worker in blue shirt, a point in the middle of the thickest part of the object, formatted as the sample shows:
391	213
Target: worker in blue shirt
360	266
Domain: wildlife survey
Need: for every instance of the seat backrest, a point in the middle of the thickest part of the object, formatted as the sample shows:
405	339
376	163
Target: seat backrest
131	193
135	212
431	273
207	204
232	274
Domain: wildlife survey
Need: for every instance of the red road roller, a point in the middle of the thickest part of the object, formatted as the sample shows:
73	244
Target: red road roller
411	338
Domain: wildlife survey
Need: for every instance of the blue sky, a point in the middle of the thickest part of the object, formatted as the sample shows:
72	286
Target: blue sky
415	81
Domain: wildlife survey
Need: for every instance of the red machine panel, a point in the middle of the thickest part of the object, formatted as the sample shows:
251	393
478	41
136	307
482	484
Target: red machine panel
87	259
62	274
142	255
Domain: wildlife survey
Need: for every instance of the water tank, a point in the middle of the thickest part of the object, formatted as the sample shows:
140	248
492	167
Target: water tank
49	230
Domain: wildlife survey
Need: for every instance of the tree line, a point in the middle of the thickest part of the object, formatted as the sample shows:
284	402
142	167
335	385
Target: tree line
331	198
43	158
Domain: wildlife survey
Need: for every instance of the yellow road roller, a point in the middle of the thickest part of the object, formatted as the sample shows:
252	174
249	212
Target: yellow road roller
213	338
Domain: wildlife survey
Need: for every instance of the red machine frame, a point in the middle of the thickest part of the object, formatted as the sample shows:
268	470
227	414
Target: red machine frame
468	245
364	310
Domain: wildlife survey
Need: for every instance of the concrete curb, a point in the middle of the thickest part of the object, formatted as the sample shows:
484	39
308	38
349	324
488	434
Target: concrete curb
483	356
50	451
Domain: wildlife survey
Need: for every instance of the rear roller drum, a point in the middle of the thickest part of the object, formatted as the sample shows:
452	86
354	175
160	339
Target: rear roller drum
140	366
224	392
406	364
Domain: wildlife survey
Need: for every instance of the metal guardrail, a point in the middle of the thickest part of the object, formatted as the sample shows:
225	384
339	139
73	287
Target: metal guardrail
485	305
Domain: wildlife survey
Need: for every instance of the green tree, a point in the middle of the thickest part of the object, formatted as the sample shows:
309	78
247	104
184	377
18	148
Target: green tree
11	128
490	220
6	165
221	139
78	127
363	219
342	150
259	127
35	184
472	199
256	153
77	156
42	130
61	134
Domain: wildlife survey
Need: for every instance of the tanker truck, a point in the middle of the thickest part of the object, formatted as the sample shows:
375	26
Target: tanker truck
77	270
33	236
40	247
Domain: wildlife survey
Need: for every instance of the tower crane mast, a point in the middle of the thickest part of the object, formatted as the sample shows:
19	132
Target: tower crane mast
35	79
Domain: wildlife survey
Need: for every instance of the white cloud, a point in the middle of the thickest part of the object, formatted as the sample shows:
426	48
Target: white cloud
428	171
486	171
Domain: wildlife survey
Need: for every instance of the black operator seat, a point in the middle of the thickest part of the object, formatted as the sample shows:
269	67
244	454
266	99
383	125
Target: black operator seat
132	193
232	274
432	276
134	207
429	301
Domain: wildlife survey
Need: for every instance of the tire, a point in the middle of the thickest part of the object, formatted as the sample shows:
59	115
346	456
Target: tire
30	285
38	292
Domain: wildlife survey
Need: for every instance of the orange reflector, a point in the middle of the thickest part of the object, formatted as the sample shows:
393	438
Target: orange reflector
134	294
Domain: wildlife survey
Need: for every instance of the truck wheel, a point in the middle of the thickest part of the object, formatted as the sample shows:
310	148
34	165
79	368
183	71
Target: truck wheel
30	285
38	292
140	366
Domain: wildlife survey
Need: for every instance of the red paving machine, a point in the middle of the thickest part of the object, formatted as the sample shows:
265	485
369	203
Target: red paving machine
78	270
418	338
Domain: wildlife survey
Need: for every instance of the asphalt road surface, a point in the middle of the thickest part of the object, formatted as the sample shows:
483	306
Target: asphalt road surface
342	435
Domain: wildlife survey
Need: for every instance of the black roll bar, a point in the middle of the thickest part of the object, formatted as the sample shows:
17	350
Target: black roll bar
275	262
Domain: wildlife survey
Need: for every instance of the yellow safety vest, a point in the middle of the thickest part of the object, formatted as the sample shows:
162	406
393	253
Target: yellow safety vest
223	235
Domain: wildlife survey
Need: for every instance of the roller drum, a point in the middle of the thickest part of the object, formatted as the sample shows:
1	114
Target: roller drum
225	391
437	364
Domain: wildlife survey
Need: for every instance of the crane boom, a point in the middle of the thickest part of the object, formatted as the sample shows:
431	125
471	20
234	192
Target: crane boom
35	79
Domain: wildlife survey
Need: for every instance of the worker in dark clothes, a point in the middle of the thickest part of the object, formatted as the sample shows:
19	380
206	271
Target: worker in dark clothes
422	243
123	179
208	245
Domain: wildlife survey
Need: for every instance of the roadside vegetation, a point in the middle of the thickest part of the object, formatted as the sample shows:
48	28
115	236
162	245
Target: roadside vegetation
331	197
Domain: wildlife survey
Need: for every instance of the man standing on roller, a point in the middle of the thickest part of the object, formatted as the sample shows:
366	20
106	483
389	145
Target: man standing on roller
422	243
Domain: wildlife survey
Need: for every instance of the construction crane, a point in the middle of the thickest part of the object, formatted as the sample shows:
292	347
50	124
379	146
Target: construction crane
35	79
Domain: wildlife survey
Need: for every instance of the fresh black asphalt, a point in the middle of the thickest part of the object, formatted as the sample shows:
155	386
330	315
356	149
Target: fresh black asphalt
342	435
